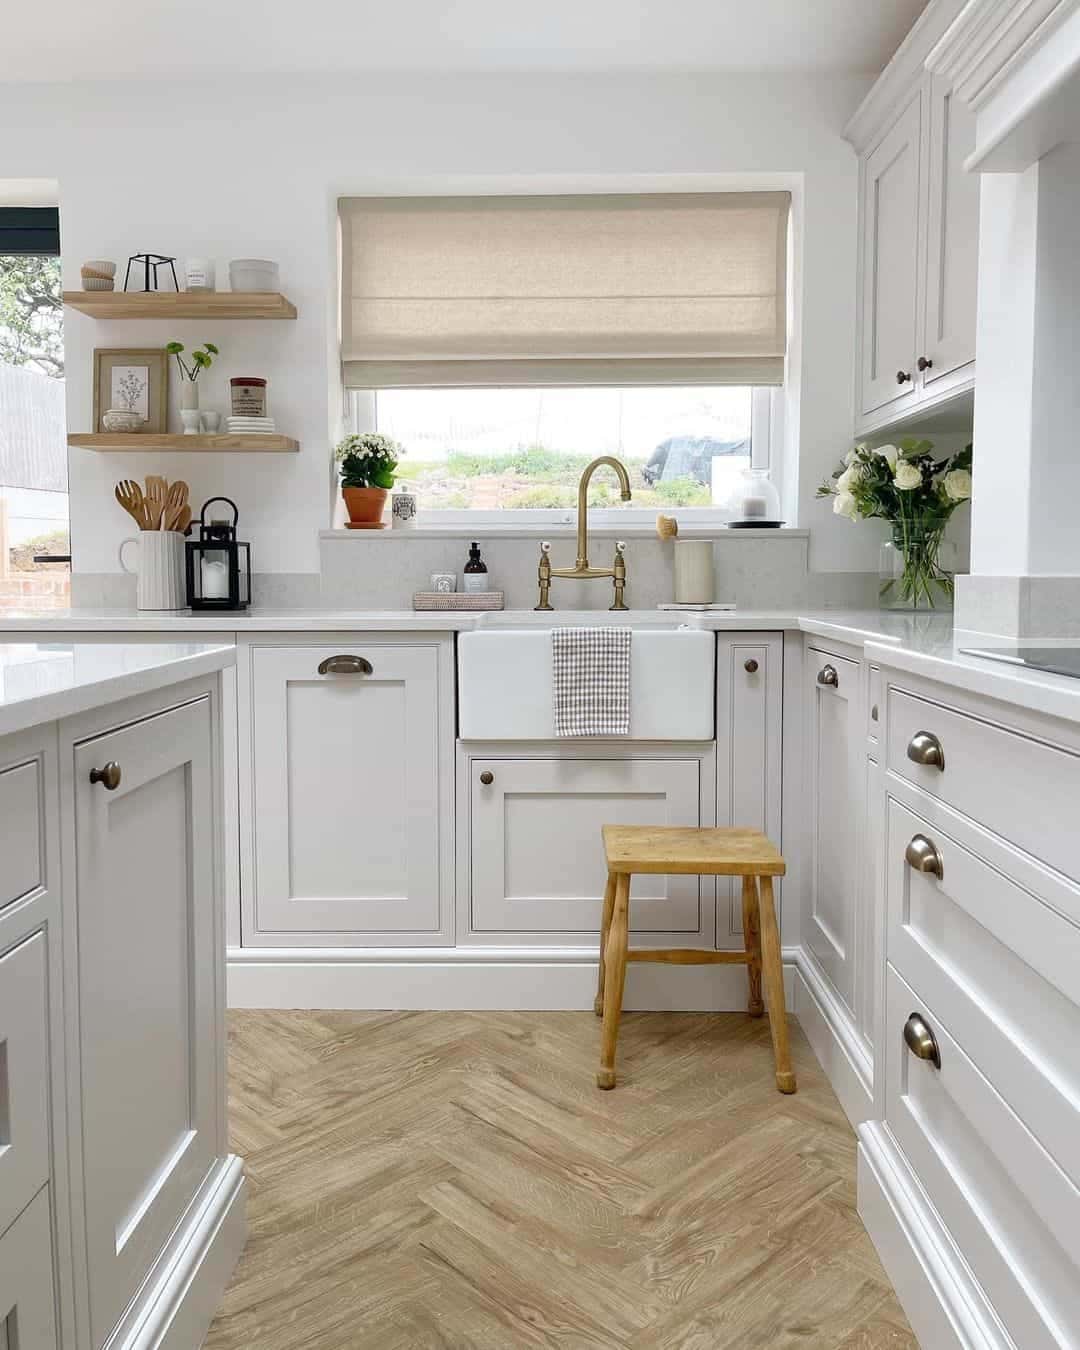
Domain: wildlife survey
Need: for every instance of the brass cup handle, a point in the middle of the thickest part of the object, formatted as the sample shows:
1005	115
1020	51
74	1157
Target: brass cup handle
751	666
346	665
924	856
921	1041
874	713
828	677
925	748
487	778
109	776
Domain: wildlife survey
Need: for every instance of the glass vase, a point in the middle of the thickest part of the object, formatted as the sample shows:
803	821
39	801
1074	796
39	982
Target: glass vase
913	569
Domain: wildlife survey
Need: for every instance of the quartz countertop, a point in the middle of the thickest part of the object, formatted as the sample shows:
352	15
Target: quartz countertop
44	681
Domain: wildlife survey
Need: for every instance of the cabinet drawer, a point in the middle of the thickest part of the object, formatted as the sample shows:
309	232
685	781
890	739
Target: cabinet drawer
1029	796
27	1295
20	810
1010	1208
24	1072
999	964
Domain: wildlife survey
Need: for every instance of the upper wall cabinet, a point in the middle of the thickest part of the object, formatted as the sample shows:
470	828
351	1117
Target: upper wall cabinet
918	237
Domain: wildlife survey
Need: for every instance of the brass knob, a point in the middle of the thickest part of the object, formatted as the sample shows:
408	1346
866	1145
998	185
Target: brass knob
487	778
346	665
925	748
924	856
751	667
109	776
827	676
920	1040
924	363
903	376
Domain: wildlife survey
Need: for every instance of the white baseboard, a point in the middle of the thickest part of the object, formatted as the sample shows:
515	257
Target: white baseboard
945	1306
848	1064
471	979
187	1286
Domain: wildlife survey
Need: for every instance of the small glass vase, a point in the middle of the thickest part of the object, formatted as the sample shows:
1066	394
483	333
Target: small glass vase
913	569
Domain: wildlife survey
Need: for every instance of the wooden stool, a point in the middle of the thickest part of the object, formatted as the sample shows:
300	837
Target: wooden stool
717	853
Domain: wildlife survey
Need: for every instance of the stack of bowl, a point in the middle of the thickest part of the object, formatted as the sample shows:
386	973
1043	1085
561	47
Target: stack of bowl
98	275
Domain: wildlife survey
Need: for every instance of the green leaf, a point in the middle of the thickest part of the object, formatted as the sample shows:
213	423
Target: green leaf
211	348
174	348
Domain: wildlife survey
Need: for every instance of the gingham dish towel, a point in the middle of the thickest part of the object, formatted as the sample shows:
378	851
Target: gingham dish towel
591	680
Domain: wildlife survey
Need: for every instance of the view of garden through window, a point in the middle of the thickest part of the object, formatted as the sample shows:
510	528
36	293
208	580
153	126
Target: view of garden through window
490	449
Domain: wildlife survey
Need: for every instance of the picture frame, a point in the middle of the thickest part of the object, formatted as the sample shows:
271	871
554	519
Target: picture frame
135	378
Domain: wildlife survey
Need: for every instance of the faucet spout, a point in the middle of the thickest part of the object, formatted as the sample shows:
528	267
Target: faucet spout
583	502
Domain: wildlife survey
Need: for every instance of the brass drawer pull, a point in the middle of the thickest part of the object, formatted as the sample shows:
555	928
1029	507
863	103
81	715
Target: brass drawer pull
920	1040
487	778
827	676
346	665
874	713
751	667
109	776
925	748
924	856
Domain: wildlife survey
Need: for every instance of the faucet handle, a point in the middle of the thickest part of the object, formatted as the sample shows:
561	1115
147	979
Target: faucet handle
620	545
545	546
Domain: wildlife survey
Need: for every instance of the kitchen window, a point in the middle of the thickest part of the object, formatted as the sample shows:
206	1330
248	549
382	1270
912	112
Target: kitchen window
507	341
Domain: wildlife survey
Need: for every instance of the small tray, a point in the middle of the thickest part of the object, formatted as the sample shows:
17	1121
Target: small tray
458	600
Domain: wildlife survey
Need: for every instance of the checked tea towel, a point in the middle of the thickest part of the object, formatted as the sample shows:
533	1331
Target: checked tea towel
591	681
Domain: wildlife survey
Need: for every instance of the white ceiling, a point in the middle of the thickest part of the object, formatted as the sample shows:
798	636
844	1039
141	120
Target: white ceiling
77	39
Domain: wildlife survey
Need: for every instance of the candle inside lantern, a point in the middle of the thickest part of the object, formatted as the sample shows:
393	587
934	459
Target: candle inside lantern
755	506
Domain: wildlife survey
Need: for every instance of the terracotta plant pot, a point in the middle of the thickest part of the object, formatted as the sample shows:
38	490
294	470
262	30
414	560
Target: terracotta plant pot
364	505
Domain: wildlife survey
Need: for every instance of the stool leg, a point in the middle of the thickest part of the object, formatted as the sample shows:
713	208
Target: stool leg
614	979
605	924
752	942
773	971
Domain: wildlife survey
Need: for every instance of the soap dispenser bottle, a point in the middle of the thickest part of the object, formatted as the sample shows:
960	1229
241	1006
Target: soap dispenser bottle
476	573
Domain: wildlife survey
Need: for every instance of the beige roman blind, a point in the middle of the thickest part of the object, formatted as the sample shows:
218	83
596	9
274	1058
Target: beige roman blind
686	288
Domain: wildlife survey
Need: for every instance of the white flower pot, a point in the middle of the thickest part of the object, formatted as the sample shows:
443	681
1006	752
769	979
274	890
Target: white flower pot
189	395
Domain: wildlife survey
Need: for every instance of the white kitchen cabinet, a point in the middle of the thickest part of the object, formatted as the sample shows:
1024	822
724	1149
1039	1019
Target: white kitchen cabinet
536	860
27	1285
890	263
834	807
146	996
346	791
749	758
24	1075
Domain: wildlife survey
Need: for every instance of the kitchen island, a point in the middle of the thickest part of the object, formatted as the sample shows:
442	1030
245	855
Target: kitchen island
121	1209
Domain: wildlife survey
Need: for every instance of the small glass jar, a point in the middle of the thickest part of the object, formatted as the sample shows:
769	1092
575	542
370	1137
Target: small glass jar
754	501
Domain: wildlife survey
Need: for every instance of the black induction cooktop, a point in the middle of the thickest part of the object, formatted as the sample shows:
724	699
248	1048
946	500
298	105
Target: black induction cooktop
1055	660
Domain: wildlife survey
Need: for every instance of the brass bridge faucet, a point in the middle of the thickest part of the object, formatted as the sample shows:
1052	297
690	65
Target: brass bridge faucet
581	571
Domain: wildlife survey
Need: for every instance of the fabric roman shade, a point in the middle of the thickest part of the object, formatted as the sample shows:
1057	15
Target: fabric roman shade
686	288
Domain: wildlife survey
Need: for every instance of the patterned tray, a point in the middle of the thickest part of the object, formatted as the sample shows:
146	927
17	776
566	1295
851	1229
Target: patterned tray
459	600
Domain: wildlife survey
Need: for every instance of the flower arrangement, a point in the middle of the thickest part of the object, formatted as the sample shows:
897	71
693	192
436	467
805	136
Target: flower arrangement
917	494
200	360
368	461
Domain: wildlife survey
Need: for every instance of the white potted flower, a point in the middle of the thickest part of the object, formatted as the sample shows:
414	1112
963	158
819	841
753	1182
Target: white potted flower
917	494
367	464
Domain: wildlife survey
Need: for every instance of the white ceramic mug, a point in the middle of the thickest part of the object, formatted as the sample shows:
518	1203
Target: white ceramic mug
160	569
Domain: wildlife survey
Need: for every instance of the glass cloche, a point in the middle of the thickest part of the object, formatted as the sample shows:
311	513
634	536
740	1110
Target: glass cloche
754	502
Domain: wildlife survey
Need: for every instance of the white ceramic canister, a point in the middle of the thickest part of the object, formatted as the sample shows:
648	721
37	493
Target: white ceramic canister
694	572
160	569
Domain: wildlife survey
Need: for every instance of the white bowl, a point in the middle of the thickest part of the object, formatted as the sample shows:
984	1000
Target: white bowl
253	274
120	419
98	284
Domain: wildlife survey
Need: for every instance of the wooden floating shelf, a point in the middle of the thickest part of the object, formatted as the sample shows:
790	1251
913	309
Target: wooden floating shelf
186	444
181	304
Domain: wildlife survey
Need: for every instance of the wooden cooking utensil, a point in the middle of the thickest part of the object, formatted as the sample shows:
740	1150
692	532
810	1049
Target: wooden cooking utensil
175	501
183	520
130	496
156	489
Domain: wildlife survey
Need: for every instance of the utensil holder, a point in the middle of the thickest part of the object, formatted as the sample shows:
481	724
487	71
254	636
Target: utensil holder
693	572
160	569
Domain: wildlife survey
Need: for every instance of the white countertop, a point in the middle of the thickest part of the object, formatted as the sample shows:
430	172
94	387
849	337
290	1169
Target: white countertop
44	681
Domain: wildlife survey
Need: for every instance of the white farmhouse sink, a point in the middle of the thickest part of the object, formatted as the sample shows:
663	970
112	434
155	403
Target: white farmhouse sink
505	685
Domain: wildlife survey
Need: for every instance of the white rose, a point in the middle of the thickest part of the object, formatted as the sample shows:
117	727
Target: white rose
958	485
907	477
891	453
851	475
844	505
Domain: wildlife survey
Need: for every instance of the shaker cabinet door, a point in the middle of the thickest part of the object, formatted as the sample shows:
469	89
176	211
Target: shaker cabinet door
147	912
345	794
27	1289
890	264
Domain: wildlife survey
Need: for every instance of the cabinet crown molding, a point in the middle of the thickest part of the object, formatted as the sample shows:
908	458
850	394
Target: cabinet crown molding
902	75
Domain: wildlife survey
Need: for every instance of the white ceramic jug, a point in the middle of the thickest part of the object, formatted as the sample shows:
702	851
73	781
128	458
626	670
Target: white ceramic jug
160	569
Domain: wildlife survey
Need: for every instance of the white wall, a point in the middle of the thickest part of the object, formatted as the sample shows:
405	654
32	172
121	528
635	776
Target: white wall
253	168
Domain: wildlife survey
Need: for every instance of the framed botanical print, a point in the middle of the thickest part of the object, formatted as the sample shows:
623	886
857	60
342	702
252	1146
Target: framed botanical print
134	380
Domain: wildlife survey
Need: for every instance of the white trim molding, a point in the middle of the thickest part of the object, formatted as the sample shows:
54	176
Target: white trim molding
833	1037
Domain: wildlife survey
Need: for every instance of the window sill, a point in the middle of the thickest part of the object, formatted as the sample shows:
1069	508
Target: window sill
559	530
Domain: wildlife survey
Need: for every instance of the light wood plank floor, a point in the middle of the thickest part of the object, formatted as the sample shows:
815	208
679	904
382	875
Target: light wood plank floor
456	1180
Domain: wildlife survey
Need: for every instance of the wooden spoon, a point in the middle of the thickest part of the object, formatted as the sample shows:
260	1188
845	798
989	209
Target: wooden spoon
183	519
130	496
175	502
156	489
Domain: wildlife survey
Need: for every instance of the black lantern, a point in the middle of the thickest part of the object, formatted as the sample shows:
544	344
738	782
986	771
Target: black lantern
218	564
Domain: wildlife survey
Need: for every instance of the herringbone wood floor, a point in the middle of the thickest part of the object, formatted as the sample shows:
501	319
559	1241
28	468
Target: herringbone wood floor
456	1180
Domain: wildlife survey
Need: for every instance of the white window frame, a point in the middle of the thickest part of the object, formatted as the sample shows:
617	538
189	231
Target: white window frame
766	452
